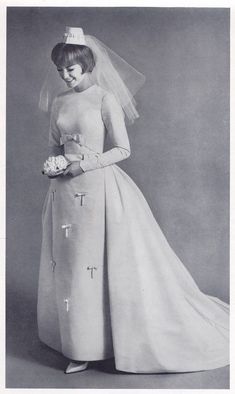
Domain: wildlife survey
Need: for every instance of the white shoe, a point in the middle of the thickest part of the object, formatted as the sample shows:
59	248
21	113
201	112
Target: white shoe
76	367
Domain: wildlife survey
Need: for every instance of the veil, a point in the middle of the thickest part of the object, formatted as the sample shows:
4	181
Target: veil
111	72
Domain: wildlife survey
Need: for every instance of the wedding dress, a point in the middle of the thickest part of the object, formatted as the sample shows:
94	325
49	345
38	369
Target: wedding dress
110	285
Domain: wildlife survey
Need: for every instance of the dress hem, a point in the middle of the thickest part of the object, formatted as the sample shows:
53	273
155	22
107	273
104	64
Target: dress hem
97	358
219	364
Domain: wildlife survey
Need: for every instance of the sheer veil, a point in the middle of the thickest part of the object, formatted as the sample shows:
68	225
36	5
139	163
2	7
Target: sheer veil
111	72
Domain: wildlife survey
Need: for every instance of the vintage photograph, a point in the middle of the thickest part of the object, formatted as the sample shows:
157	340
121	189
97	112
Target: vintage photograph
117	143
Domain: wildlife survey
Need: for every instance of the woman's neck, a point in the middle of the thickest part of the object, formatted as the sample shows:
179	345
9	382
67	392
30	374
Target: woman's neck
84	84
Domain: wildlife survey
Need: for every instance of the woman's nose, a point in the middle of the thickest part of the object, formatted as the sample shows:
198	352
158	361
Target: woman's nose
64	74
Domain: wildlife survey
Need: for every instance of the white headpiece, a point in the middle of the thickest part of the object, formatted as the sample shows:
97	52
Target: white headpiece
74	35
111	72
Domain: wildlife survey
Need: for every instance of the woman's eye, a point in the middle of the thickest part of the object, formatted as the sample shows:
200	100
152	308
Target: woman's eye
68	69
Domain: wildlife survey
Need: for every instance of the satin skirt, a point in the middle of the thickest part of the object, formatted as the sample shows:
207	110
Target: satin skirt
110	285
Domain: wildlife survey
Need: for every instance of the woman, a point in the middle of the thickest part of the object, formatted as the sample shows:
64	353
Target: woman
110	285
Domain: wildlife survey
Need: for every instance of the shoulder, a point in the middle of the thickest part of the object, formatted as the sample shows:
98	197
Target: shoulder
62	95
110	103
105	95
108	97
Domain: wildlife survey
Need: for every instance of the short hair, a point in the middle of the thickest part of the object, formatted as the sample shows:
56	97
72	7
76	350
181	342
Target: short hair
66	55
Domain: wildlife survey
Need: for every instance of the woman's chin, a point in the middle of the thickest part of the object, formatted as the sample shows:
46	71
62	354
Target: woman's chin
72	84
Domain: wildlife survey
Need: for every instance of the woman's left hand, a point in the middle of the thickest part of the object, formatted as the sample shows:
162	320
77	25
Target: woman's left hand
73	169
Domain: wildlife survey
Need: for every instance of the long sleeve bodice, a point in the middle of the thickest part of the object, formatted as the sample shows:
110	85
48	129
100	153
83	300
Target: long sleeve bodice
81	121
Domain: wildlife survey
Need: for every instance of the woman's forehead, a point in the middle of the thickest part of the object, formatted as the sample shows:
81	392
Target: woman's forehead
66	64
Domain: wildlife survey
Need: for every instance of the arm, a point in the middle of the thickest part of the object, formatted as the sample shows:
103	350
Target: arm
113	118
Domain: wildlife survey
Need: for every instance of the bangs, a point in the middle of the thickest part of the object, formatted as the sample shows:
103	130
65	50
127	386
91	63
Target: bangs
64	56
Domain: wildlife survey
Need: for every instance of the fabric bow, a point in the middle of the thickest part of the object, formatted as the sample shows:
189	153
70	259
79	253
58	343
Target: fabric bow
78	138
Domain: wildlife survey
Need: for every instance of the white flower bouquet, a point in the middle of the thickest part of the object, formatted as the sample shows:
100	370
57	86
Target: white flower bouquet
55	165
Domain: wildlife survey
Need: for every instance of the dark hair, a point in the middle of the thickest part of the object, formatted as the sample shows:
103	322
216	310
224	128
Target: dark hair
65	55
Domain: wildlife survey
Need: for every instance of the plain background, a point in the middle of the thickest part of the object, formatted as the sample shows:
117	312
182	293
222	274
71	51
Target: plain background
180	144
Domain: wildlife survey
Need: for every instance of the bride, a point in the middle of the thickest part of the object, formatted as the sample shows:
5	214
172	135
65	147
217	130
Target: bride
110	286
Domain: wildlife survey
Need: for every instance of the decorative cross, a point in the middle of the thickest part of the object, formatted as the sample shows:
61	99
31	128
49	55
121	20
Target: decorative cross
66	301
53	264
66	227
53	195
81	195
91	269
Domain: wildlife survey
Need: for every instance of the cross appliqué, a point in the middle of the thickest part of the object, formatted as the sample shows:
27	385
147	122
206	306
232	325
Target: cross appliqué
91	269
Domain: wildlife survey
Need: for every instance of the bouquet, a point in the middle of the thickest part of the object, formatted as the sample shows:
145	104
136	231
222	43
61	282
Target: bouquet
55	165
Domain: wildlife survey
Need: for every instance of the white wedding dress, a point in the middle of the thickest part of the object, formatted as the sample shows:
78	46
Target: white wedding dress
110	285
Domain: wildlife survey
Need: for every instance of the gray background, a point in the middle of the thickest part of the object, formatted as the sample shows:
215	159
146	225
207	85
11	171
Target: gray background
180	146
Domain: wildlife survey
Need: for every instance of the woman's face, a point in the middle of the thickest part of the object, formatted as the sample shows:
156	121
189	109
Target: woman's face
72	75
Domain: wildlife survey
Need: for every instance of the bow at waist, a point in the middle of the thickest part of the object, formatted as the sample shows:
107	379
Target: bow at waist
76	137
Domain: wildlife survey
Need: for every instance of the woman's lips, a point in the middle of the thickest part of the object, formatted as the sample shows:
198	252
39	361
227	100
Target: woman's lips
71	82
